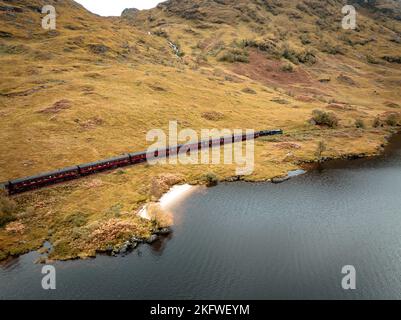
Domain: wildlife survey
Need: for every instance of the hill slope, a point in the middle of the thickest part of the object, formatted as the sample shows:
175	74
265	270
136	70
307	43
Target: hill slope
306	33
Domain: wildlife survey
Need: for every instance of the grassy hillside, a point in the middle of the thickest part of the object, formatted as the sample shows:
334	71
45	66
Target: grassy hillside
95	86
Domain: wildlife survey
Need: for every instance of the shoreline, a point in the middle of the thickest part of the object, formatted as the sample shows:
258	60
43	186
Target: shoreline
259	216
175	194
178	191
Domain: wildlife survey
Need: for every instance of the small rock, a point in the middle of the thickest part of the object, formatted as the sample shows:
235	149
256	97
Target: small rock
164	231
41	260
249	91
129	13
125	247
136	240
98	48
280	179
152	238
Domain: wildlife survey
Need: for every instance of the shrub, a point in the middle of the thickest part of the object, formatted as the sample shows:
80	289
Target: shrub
201	58
359	123
289	54
296	57
3	255
346	80
29	212
392	119
6	218
332	48
235	55
396	39
12	49
161	33
305	39
63	248
372	60
76	219
288	67
249	91
392	59
302	7
325	118
213	115
7	210
307	57
321	147
265	45
376	122
391	104
79	233
98	48
210	179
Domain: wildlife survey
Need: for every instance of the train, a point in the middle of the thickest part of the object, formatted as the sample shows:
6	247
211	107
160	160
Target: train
49	178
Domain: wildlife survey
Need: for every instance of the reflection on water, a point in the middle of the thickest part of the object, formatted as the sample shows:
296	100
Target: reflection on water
160	245
254	241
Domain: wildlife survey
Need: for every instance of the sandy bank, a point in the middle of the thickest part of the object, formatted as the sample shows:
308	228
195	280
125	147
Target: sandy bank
170	198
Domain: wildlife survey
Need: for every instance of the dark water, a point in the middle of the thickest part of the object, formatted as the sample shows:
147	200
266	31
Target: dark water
254	241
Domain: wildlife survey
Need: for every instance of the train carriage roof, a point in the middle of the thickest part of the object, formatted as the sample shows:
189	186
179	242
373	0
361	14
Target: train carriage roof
100	162
44	175
271	131
135	154
121	157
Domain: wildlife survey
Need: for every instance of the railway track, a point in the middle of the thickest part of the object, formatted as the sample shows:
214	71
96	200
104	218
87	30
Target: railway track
75	172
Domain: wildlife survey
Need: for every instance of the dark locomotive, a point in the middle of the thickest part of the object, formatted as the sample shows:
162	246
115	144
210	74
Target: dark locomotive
53	177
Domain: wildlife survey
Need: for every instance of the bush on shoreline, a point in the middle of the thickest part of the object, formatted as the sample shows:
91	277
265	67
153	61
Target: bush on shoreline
321	147
210	179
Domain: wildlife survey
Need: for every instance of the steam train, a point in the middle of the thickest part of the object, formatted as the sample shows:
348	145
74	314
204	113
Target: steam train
75	172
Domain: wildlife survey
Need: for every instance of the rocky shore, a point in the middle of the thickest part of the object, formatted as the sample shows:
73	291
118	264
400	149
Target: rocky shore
131	244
